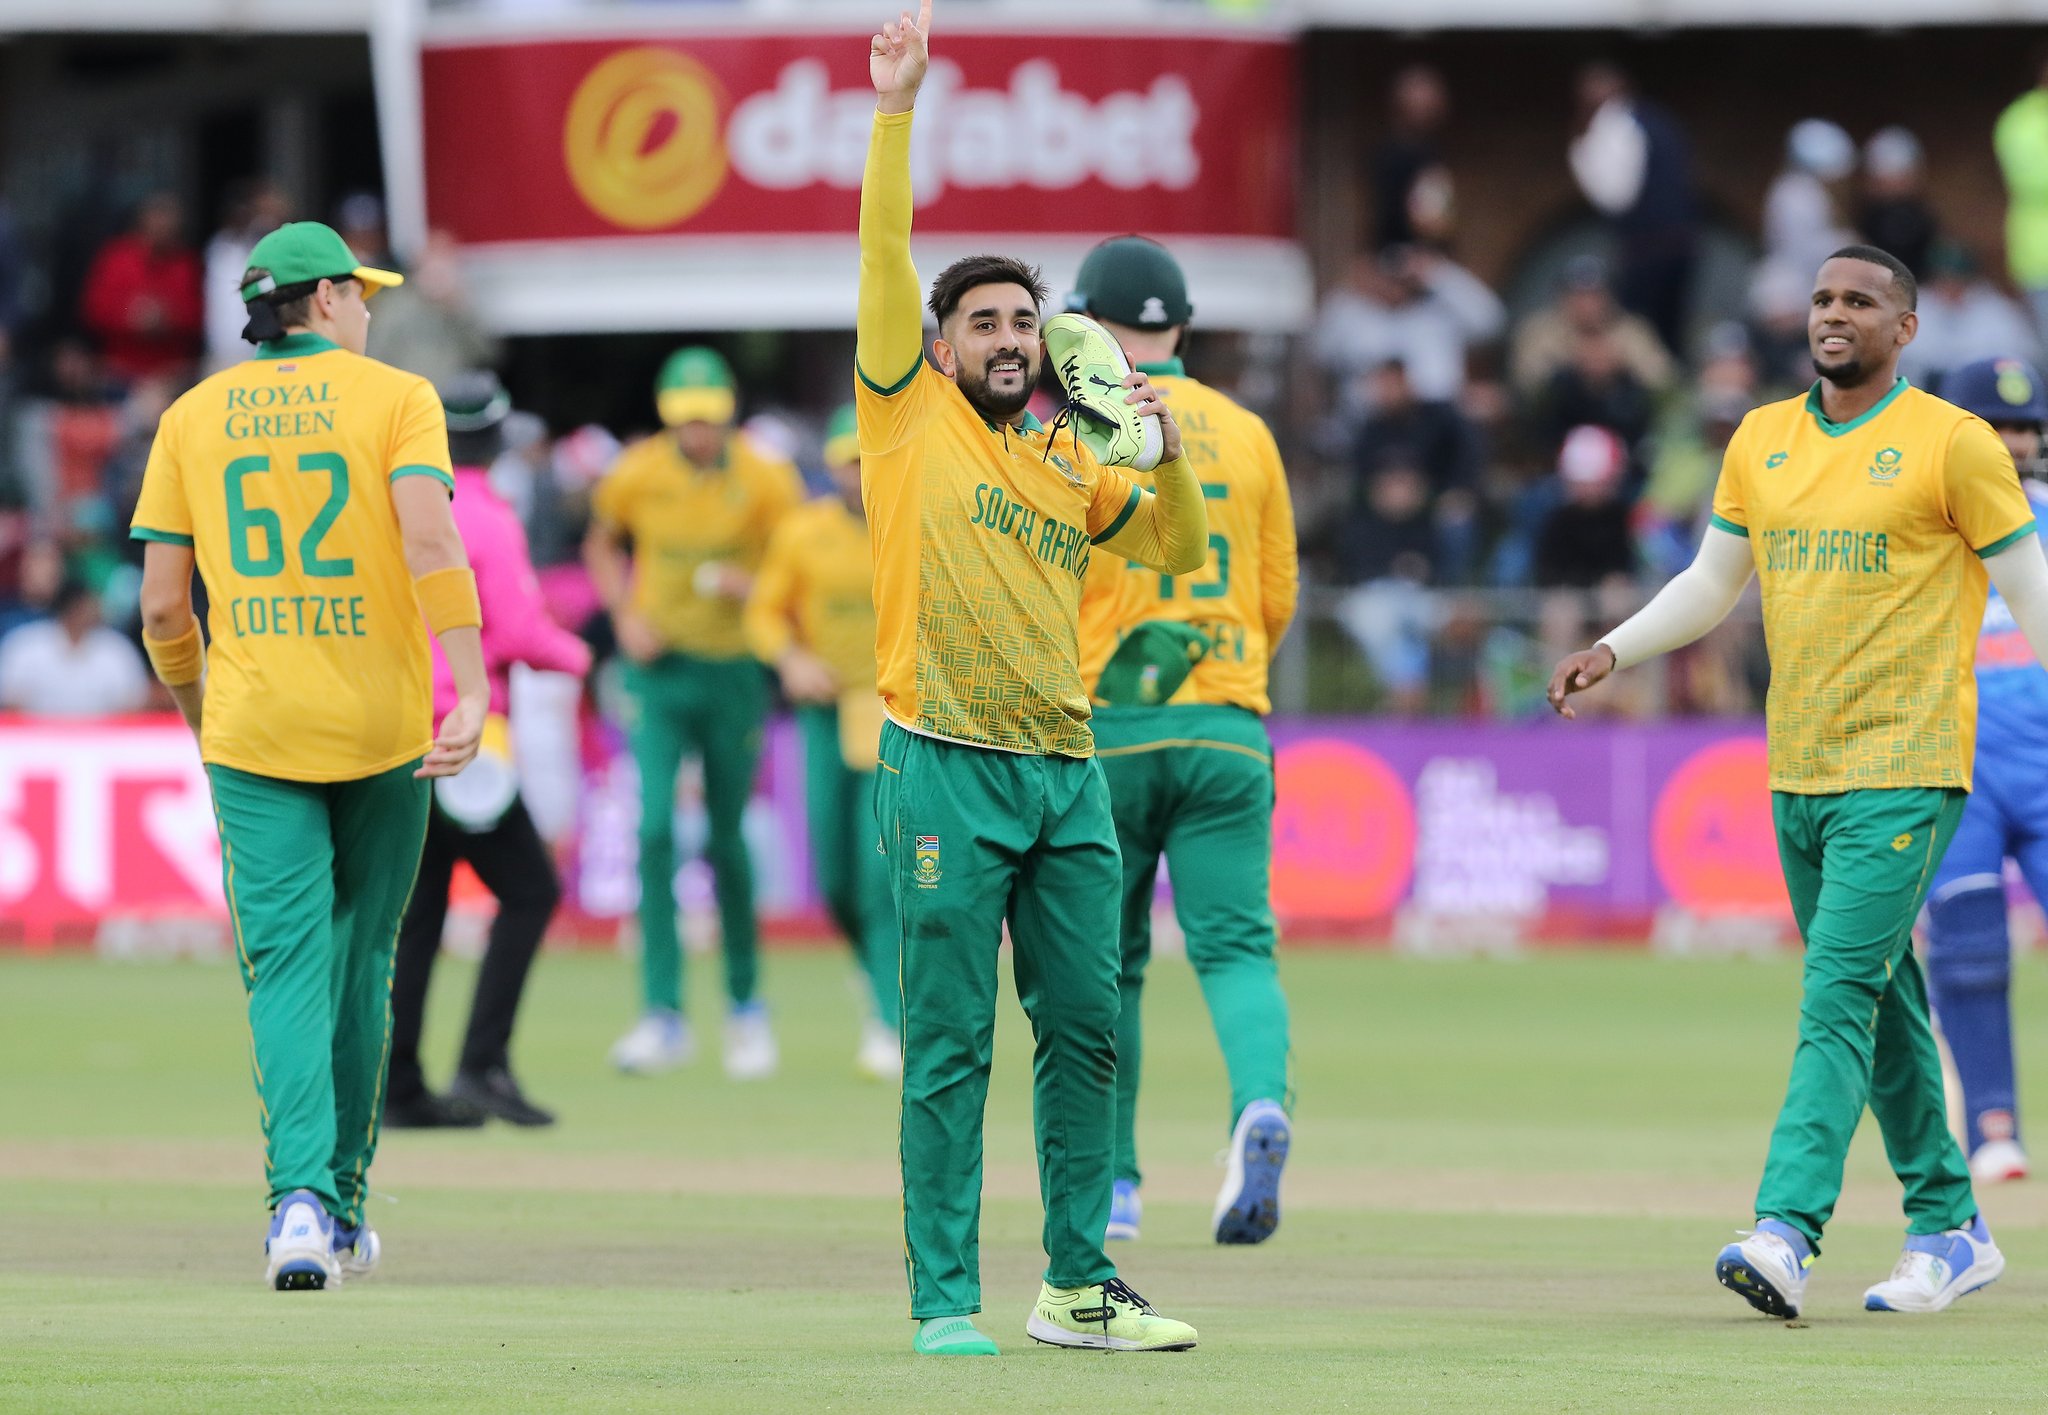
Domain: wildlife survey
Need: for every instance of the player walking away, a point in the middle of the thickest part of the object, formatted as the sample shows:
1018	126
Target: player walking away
991	803
1179	674
679	526
479	816
1969	955
310	486
812	618
1873	513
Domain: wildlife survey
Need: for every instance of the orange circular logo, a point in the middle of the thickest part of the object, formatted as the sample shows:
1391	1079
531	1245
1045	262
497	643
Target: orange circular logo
1343	833
1711	836
642	141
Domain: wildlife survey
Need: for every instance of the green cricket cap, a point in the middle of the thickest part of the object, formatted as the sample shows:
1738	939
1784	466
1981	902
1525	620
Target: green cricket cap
842	438
301	252
695	386
1131	281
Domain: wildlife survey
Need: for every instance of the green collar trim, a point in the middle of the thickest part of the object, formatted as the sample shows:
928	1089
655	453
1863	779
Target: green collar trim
1166	366
1030	423
295	346
1835	429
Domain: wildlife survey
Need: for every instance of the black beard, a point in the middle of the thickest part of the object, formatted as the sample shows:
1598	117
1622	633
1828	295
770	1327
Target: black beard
997	408
1852	374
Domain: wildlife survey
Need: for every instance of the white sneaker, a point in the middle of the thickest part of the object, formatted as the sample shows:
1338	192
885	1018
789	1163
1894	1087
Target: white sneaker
750	1053
1765	1271
357	1250
659	1041
1248	1207
1937	1268
301	1245
881	1055
1997	1161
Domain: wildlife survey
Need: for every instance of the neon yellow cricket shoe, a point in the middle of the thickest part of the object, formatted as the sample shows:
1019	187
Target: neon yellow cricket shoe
1091	368
1104	1316
951	1336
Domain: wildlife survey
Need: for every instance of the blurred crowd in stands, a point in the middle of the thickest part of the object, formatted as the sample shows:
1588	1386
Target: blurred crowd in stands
1558	460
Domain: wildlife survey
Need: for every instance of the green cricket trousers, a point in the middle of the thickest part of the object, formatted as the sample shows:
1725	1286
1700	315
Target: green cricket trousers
846	856
1858	865
712	709
1195	784
317	875
977	837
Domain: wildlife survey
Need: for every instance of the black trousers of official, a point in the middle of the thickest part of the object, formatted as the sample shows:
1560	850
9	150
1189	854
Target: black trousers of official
513	863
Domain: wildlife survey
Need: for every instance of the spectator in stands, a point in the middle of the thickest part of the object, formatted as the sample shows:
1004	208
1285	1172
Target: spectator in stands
39	572
1410	304
1963	318
1436	440
1804	215
1411	188
1634	164
1596	386
360	219
141	296
1778	297
1895	215
68	434
70	664
1676	498
1388	541
1546	341
255	208
2021	141
1585	539
426	325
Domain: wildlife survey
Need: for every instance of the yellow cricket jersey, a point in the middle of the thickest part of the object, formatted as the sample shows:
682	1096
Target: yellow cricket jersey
816	588
982	533
277	473
682	517
1868	537
1244	599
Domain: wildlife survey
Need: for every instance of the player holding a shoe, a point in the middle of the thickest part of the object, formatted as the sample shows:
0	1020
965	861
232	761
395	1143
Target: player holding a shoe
310	486
1969	953
991	804
1177	669
1874	514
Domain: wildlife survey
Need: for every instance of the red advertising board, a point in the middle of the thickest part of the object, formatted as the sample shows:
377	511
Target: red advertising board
553	140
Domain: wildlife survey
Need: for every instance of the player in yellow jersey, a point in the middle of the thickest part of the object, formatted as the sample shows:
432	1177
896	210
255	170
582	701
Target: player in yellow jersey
811	617
310	487
678	528
1873	514
1177	667
991	804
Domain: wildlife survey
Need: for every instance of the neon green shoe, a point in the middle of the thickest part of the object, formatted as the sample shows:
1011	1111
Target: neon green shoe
1104	1316
1092	369
951	1336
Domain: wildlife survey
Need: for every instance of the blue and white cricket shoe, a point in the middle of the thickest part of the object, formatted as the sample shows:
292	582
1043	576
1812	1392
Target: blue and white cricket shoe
301	1244
1937	1268
357	1250
1248	1209
1767	1269
1125	1209
660	1041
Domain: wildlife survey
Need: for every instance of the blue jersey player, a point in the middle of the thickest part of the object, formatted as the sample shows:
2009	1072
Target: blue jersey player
1969	956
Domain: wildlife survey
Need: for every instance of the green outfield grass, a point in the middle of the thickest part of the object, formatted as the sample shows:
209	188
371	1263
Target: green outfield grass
1509	1185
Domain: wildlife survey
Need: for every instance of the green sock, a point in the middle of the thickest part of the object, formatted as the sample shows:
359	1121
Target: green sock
951	1336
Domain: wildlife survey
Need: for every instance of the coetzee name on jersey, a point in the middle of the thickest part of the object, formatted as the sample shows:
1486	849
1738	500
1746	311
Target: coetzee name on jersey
278	410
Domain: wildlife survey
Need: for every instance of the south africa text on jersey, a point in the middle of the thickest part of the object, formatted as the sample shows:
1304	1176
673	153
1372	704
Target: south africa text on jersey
280	410
1832	552
1058	544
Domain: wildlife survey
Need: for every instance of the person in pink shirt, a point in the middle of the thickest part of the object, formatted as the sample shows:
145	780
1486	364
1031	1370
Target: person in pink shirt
482	820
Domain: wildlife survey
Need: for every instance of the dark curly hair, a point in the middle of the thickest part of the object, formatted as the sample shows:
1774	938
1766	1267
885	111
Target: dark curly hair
964	274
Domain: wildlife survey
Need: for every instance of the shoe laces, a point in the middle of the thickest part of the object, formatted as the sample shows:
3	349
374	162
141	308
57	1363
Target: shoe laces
1920	1268
1116	1290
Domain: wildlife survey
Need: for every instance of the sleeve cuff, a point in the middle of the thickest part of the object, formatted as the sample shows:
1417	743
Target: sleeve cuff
2005	542
1723	523
421	469
1122	517
165	537
898	386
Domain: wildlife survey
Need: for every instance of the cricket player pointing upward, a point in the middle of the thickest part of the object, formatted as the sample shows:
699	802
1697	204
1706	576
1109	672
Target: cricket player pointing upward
310	486
991	805
1873	513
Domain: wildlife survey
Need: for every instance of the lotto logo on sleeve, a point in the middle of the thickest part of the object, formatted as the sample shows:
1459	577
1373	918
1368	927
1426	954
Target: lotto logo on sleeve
926	866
